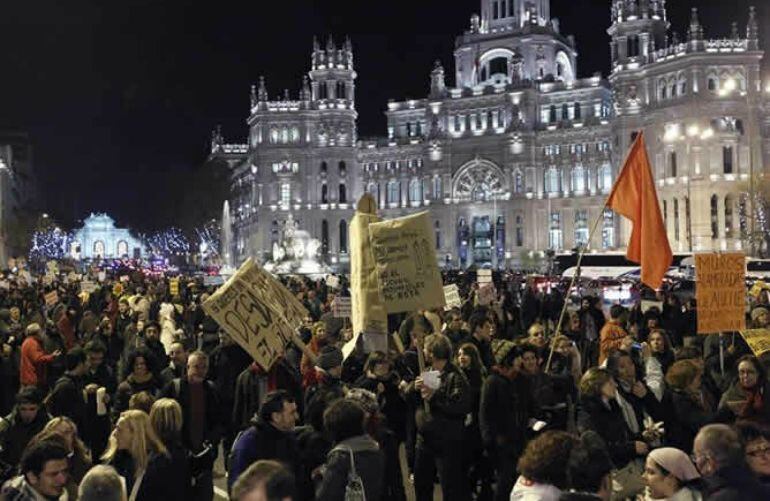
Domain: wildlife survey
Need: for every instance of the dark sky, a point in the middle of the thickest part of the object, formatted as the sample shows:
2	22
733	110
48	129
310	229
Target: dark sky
120	96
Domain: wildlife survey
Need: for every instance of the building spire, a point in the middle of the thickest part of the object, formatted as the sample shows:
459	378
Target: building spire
253	96
262	92
752	29
305	94
437	80
695	32
734	31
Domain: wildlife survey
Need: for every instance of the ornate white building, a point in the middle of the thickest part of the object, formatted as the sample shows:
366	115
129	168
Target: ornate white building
519	154
99	239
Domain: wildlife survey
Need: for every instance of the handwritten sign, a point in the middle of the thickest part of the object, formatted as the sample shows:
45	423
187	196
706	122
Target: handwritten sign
758	340
87	286
721	292
452	297
341	307
51	298
486	294
173	286
368	313
484	276
407	269
258	312
333	281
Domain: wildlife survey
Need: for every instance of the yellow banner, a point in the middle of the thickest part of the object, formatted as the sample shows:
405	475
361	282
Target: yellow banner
407	269
758	340
721	292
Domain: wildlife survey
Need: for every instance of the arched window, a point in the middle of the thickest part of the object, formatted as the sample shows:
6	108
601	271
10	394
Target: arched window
324	237
676	219
518	182
122	249
578	111
343	170
714	216
393	192
274	136
324	168
712	83
498	66
578	179
729	204
99	248
324	194
284	135
322	90
727	159
343	196
552	181
343	236
415	191
436	188
341	93
672	165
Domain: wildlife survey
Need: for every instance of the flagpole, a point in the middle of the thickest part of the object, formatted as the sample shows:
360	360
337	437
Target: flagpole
572	284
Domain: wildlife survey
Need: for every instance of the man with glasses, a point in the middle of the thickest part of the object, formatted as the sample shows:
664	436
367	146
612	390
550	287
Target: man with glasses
719	456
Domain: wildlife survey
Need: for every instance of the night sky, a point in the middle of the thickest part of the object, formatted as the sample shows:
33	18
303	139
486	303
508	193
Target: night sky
120	97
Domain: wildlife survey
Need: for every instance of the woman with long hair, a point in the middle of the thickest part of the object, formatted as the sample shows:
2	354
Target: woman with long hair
660	360
141	363
687	412
166	418
140	457
480	472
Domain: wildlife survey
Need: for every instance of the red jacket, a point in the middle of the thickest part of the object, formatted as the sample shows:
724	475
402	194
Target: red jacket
66	330
33	362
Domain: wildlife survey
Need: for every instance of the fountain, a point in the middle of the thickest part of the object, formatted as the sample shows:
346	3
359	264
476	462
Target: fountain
228	264
296	253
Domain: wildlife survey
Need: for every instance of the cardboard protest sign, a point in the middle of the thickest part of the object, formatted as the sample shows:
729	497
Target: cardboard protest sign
173	286
52	267
407	268
341	307
452	297
258	312
484	276
486	294
720	292
51	298
210	280
333	281
647	305
758	340
87	286
367	311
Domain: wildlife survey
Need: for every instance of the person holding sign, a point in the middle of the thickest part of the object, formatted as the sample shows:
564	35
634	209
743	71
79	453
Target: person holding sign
440	423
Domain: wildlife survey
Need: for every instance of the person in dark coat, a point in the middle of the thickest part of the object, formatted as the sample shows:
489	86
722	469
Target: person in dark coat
505	409
26	420
228	360
327	388
353	449
176	366
141	378
440	417
748	398
271	436
202	422
383	382
719	456
599	412
66	397
481	332
254	383
686	412
98	374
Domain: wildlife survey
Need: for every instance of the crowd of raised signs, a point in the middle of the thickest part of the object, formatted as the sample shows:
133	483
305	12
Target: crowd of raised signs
122	387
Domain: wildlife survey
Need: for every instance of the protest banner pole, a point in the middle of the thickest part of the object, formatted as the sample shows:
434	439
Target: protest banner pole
721	354
575	274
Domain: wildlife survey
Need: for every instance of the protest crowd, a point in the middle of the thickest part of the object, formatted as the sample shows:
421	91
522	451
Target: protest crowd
132	392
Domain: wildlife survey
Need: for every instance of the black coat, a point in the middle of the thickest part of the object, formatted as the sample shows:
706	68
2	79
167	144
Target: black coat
734	483
161	479
684	417
504	412
253	384
607	420
262	441
225	365
212	428
66	399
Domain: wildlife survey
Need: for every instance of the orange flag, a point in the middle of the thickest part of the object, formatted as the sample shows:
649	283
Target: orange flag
634	196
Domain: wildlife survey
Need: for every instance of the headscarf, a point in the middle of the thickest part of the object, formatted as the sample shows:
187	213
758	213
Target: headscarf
675	462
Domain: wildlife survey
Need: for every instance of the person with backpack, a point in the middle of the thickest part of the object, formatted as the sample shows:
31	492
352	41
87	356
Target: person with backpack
355	467
66	397
271	436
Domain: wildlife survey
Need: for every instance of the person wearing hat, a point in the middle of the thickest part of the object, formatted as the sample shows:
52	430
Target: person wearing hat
327	388
669	474
505	409
760	317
